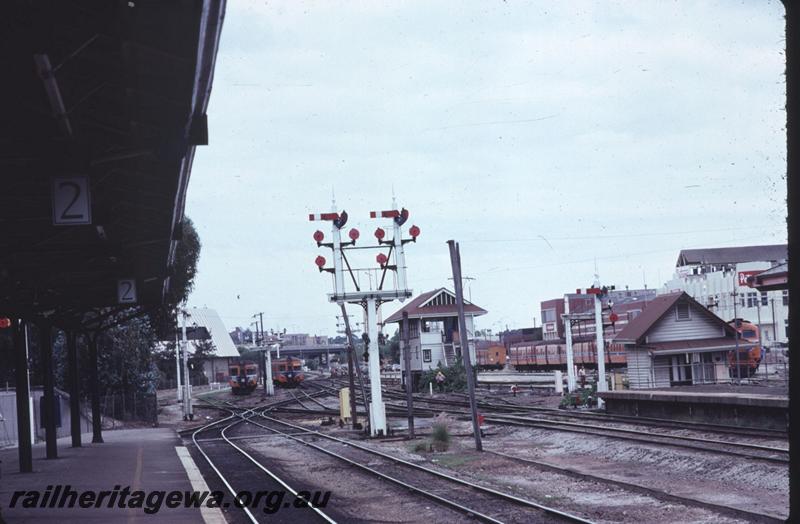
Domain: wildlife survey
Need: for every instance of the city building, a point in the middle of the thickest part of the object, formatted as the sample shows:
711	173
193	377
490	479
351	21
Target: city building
625	303
720	279
433	329
677	341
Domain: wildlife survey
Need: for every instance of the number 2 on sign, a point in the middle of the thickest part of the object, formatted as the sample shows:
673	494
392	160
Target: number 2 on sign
71	202
126	291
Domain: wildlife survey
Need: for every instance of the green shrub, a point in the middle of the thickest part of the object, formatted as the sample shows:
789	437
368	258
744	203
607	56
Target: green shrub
455	377
440	436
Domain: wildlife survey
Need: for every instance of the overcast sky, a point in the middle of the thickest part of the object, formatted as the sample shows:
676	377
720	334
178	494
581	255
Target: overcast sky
542	136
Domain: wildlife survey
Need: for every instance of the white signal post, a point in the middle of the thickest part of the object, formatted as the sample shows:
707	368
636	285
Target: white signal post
270	384
601	358
570	355
187	391
370	299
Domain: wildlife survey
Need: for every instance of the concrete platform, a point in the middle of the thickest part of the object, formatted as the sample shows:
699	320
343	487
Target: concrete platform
735	409
143	459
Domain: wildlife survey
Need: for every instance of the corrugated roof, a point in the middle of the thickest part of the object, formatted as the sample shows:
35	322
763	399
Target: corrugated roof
732	255
210	319
416	309
637	328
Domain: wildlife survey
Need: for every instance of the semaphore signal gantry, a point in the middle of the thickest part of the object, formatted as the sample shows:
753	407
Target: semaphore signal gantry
368	293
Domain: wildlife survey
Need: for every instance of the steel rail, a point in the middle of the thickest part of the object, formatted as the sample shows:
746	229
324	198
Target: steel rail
656	493
478	487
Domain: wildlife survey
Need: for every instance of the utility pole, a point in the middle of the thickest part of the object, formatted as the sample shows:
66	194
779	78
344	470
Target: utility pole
409	380
463	336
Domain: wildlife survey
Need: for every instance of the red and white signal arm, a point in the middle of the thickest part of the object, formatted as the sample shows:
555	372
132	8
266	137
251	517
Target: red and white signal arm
126	291
72	204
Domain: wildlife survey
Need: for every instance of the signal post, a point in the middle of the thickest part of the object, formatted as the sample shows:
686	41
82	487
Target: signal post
350	290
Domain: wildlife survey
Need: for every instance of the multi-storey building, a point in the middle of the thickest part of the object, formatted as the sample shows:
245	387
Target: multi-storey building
720	279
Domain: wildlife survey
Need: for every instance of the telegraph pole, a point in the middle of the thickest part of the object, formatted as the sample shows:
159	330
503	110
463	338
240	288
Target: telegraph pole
463	336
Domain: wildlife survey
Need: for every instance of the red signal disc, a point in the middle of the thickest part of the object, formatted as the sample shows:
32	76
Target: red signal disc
320	261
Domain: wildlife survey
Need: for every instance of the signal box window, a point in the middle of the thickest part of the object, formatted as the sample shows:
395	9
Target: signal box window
426	355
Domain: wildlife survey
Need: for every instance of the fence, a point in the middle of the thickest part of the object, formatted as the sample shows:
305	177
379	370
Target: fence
116	407
173	383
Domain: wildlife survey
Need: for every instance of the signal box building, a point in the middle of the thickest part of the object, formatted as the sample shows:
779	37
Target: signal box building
433	330
677	341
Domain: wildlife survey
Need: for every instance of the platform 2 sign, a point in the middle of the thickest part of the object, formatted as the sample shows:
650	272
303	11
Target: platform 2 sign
72	204
126	291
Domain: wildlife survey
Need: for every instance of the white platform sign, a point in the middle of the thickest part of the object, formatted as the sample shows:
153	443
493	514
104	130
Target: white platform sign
71	201
126	291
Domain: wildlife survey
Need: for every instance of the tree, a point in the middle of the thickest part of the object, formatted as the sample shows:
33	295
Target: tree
187	255
203	350
391	349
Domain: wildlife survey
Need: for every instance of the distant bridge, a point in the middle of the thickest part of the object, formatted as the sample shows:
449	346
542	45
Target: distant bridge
312	350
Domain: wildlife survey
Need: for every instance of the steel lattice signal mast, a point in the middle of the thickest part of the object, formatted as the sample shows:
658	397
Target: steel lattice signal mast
369	299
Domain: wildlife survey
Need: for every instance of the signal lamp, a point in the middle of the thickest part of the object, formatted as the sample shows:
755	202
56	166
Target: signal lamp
354	234
319	236
414	231
320	261
381	258
380	233
5	323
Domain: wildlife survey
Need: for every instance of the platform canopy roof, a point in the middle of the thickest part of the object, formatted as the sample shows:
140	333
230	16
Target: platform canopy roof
113	93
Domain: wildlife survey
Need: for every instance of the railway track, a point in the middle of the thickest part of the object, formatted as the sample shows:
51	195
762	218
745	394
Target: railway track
395	471
696	443
455	493
236	469
448	491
